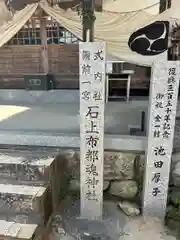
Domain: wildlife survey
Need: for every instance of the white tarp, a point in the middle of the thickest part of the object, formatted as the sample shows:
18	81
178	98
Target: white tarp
113	28
122	6
8	30
116	28
5	15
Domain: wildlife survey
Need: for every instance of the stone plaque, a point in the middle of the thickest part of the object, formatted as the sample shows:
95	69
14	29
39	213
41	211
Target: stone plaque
92	57
162	113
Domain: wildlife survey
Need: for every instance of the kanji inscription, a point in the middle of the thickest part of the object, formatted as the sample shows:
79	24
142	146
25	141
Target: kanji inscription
92	58
162	112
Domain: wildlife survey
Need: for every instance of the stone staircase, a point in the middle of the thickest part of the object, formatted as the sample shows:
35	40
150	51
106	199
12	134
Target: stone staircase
30	190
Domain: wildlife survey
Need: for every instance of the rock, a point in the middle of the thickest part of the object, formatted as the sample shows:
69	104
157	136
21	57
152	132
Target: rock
57	228
130	209
175	196
175	158
75	185
73	163
119	166
18	231
106	185
174	162
124	189
176	175
172	212
139	166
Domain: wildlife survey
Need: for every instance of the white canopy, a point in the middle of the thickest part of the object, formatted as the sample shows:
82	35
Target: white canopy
8	30
124	6
5	15
113	28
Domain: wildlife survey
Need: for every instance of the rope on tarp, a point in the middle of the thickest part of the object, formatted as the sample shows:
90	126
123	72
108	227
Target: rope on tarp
141	9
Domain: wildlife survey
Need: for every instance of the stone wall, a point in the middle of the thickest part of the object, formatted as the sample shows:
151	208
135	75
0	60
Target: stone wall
123	173
123	177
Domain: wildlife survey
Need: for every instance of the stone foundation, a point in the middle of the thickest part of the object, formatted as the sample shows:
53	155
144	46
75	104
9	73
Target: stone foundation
57	171
120	172
123	179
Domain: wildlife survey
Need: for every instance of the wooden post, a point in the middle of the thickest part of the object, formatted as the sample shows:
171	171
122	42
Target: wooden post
44	49
88	31
164	5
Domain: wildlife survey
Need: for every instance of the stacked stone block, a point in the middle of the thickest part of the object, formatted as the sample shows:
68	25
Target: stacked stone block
30	190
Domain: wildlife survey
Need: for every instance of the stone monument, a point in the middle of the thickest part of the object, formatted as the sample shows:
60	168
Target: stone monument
92	60
90	217
162	112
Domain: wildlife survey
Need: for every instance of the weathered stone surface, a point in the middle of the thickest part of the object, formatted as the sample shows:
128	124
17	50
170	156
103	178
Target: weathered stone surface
106	185
139	166
176	175
125	189
74	185
172	218
23	218
171	212
175	196
130	209
24	199
61	181
57	227
117	165
175	158
73	162
34	169
12	230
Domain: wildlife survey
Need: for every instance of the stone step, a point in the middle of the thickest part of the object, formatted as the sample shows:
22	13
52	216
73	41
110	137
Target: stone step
34	168
29	218
25	200
23	167
30	168
12	230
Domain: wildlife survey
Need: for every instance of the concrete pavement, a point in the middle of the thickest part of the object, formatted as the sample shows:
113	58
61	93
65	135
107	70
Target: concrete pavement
58	124
64	117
